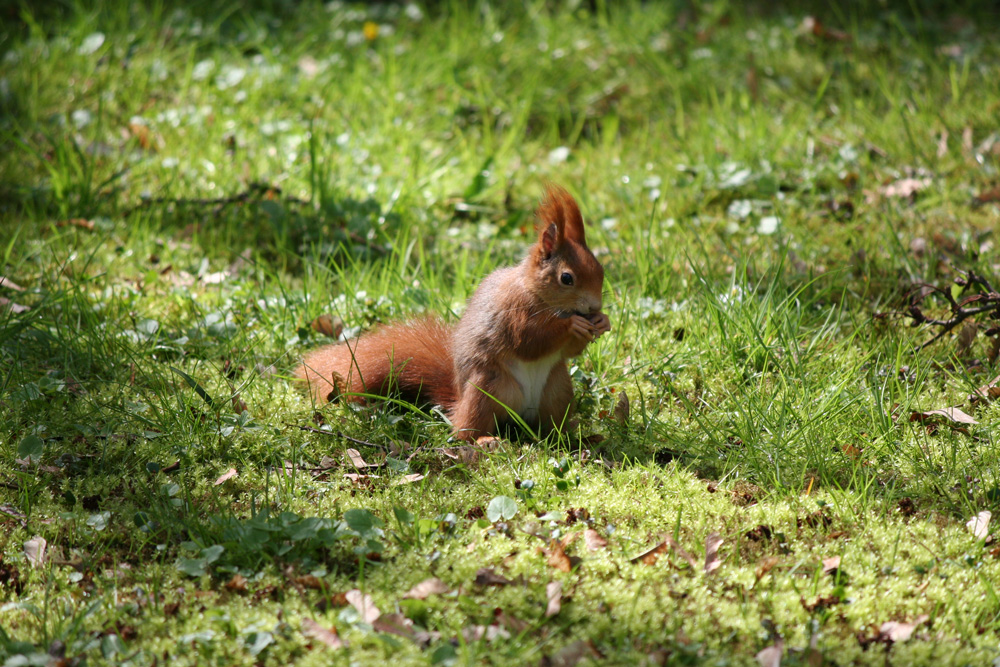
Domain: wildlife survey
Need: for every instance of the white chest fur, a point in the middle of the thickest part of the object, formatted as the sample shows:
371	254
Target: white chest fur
532	376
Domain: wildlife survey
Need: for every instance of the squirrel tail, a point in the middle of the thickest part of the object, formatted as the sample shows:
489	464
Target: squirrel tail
411	359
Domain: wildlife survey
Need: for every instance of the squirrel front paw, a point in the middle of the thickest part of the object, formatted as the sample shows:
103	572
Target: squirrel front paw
600	322
582	328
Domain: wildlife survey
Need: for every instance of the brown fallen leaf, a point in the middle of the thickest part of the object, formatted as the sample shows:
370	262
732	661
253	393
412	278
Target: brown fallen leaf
771	656
328	325
81	223
10	284
360	481
979	525
987	196
310	581
894	631
712	544
239	407
328	636
553	593
364	605
215	278
949	414
942	146
988	392
557	556
238	584
593	540
650	556
426	588
395	624
34	551
408	479
15	308
226	476
831	564
356	460
967	336
766	565
622	409
905	187
487	577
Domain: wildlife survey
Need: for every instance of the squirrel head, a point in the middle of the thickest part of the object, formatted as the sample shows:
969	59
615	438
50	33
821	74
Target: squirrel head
568	276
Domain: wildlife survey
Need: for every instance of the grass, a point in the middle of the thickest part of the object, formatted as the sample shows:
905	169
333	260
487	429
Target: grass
184	191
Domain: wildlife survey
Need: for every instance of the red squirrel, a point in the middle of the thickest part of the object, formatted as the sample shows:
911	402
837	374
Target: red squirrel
507	352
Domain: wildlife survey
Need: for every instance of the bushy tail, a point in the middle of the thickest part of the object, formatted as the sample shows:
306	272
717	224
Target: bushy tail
411	359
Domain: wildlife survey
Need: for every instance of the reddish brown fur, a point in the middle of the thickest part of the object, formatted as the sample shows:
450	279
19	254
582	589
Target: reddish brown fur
520	326
413	358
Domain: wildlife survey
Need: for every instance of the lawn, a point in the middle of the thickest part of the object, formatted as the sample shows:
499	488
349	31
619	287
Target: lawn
783	454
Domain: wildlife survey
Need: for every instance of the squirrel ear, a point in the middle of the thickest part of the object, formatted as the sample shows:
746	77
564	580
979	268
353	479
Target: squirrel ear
548	240
559	208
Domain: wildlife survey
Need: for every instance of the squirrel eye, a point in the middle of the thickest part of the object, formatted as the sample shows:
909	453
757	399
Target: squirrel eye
566	279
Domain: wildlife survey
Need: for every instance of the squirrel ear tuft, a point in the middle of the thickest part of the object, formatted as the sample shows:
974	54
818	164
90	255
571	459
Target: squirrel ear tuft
560	208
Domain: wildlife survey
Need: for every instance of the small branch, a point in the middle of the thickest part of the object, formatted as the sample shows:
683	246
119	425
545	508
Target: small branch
255	191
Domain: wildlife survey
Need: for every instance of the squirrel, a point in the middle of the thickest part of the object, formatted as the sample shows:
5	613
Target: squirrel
506	354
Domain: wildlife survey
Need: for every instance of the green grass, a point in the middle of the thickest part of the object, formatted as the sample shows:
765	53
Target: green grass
182	192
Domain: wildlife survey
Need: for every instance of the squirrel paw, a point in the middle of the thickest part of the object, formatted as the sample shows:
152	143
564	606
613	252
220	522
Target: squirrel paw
601	323
582	328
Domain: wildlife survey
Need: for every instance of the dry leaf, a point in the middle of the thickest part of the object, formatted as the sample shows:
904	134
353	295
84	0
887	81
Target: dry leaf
226	476
900	632
950	414
15	308
328	636
771	656
364	605
238	584
81	223
553	592
216	278
360	481
395	624
10	284
851	451
593	540
967	140
942	147
355	457
408	479
966	337
622	409
425	588
905	187
988	391
987	196
557	556
487	577
831	564
649	557
34	551
766	565
712	544
328	325
239	407
980	524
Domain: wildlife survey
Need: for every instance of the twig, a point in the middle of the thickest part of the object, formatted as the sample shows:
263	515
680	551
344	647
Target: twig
256	190
960	313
